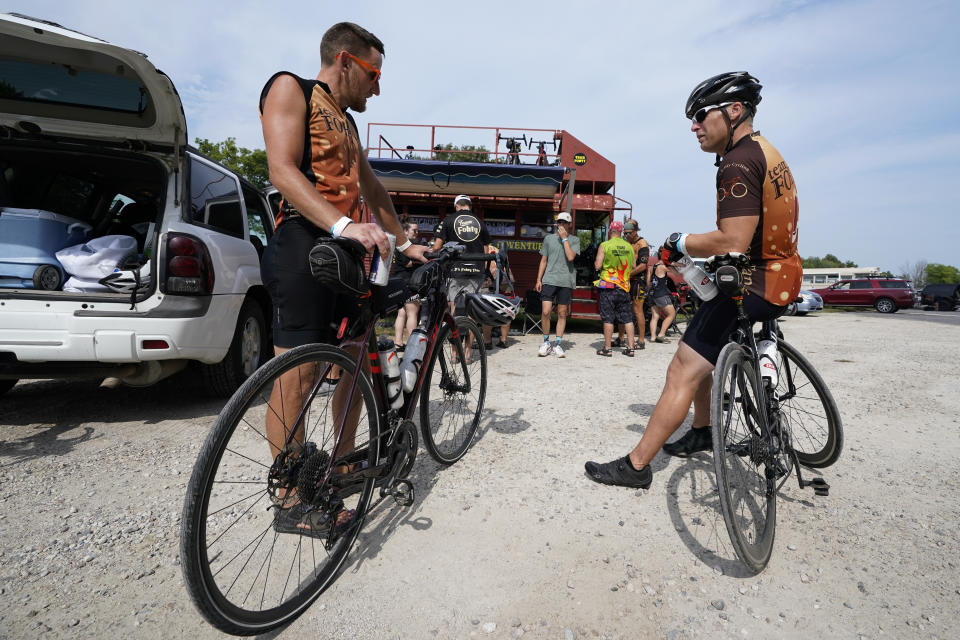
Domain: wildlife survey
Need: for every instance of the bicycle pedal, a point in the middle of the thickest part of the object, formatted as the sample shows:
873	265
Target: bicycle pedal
819	486
403	493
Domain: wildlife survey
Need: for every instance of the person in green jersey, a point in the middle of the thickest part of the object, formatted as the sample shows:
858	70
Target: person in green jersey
615	262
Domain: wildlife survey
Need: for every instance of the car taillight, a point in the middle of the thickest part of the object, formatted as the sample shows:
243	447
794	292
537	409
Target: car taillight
189	270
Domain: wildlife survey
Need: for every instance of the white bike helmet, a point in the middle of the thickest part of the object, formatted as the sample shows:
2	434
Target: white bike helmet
129	280
493	309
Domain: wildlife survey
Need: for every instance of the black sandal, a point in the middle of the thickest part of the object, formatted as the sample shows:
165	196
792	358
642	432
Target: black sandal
616	343
604	352
314	523
627	352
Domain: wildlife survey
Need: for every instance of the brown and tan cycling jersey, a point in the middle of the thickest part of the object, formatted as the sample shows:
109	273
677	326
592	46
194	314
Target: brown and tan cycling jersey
754	180
331	149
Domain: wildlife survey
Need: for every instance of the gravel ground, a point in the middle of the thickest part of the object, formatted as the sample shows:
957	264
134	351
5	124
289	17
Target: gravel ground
515	540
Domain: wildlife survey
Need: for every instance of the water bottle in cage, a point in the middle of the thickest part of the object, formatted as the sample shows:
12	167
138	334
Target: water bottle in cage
390	363
767	351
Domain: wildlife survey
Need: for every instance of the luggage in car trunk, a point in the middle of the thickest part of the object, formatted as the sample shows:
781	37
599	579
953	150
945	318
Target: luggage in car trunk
29	240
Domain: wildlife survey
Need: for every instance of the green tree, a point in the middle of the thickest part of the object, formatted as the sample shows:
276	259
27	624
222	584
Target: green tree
462	153
829	261
942	274
251	164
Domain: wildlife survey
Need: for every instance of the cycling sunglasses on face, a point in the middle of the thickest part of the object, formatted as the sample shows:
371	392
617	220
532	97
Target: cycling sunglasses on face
703	112
375	73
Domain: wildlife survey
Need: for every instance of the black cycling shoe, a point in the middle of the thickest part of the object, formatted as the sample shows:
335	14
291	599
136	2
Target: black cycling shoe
619	472
692	441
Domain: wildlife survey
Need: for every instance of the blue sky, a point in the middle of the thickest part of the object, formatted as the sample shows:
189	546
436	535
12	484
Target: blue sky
861	98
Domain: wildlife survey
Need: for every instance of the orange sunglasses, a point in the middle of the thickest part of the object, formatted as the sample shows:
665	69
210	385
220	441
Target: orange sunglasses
366	65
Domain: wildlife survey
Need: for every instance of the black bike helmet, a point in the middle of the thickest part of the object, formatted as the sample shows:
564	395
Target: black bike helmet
733	86
493	309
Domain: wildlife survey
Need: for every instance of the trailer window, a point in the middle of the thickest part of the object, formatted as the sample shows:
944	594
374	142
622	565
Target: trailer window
536	224
500	227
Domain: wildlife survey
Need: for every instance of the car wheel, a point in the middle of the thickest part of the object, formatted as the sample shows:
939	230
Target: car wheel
885	305
944	305
6	385
791	309
249	349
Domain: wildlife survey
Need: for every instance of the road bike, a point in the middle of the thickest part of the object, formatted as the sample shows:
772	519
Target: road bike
764	430
246	573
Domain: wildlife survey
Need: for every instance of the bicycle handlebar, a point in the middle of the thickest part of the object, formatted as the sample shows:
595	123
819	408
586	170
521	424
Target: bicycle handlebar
462	257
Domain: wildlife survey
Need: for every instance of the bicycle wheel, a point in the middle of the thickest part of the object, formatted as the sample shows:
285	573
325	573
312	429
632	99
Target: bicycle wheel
747	484
453	392
244	570
808	409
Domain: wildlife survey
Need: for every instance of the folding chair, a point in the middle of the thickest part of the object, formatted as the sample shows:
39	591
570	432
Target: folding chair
532	305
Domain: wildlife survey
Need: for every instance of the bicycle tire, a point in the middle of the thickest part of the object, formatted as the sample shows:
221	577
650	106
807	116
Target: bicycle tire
745	484
450	420
816	431
230	551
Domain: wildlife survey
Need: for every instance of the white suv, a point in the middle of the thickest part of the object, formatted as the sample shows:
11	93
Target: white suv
93	134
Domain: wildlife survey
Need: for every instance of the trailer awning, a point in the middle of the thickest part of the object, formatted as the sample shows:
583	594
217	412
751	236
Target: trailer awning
473	178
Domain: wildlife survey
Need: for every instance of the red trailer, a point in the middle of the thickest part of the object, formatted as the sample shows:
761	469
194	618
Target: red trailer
518	180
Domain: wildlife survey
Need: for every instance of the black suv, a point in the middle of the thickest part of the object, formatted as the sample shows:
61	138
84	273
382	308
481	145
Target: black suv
942	297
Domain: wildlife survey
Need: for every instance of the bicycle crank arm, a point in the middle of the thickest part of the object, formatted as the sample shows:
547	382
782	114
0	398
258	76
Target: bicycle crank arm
345	480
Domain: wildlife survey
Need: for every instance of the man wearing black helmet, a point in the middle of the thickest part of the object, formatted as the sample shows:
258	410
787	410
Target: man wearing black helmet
757	214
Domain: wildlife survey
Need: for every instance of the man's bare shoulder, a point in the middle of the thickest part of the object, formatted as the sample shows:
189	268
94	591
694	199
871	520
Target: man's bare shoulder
285	93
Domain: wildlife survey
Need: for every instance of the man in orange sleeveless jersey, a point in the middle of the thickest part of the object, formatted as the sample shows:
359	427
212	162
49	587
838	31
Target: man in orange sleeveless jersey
317	163
757	215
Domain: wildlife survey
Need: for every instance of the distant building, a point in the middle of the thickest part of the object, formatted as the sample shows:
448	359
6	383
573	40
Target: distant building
830	275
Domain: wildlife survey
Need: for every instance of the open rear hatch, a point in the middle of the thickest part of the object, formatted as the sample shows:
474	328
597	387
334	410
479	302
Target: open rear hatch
60	83
88	134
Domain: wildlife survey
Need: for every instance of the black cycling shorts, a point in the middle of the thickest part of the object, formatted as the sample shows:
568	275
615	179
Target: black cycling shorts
711	326
559	295
304	311
615	305
638	290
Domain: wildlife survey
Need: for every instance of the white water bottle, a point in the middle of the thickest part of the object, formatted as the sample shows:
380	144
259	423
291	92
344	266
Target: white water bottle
390	363
696	277
768	360
413	358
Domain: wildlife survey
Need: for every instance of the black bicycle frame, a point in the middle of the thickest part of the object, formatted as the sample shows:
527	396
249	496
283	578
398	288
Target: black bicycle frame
438	316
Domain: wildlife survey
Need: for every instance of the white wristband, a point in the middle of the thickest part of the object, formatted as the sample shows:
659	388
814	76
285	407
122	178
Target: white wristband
682	243
404	246
337	229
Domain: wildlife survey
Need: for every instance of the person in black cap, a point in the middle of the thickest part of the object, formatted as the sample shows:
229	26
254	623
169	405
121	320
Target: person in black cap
463	227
